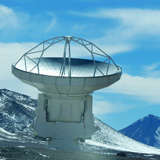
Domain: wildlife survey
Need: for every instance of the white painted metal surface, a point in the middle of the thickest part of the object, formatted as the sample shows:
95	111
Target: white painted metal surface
64	113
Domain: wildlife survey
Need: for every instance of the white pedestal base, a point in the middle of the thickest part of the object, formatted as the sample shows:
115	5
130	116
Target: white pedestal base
64	120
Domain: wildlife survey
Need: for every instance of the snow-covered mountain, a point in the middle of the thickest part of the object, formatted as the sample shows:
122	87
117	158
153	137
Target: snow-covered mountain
145	130
107	137
17	113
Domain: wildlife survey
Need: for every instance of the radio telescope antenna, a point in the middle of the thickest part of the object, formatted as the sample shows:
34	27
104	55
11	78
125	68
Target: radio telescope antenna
64	113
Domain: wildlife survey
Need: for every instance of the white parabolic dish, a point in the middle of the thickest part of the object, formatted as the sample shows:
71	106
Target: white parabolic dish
65	74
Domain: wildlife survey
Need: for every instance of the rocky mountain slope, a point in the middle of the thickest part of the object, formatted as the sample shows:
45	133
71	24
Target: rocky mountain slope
145	130
17	111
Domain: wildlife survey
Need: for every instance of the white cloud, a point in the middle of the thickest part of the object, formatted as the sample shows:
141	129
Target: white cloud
79	27
10	53
152	70
105	107
51	25
113	48
8	18
139	20
13	22
132	26
147	89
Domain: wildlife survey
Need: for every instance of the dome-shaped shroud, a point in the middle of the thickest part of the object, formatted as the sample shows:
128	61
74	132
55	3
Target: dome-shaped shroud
66	74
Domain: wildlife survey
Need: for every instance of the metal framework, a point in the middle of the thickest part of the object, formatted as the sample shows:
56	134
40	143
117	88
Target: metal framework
89	46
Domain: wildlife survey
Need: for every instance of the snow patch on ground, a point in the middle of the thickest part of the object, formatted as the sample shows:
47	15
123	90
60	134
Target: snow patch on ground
157	136
27	106
4	131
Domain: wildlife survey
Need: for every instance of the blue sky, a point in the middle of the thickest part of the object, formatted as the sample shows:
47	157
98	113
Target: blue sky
127	30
